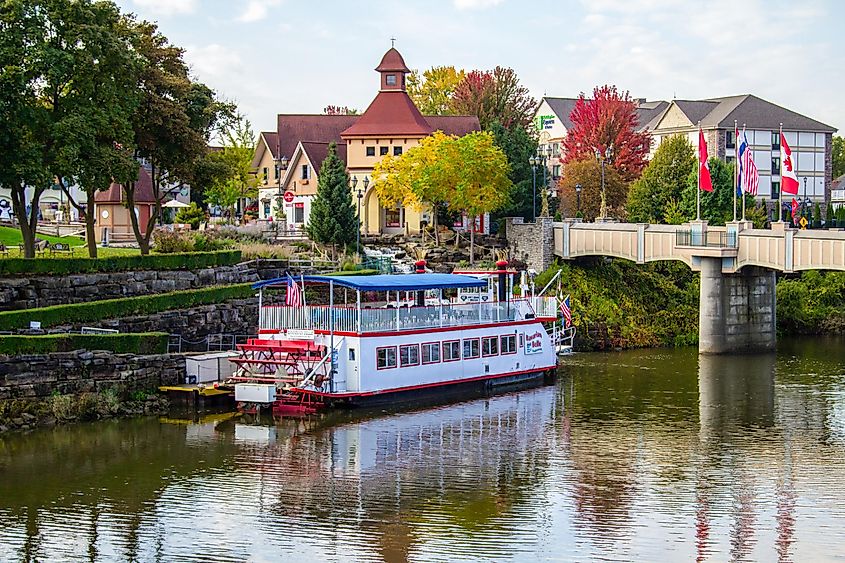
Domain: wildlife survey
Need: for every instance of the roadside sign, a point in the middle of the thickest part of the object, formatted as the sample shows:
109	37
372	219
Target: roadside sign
288	197
803	222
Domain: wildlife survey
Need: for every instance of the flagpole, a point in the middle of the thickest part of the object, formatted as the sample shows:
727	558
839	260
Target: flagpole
750	156
302	279
698	191
780	191
736	166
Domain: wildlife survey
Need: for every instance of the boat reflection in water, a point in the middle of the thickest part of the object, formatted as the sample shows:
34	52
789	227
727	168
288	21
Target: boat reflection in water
643	455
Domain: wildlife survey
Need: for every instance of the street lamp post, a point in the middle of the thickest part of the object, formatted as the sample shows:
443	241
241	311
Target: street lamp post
281	164
539	159
578	199
602	158
805	201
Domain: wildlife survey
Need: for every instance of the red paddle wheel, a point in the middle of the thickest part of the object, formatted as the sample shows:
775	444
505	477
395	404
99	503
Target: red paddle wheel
291	365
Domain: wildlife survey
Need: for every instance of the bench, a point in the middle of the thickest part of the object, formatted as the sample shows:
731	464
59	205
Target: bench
59	247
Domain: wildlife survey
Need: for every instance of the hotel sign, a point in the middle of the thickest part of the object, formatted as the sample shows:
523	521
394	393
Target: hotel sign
542	122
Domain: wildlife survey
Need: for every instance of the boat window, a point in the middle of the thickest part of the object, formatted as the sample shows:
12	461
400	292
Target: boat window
471	348
490	346
451	350
431	352
509	344
352	354
386	357
409	355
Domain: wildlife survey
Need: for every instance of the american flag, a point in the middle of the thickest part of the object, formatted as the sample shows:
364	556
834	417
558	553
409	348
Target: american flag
566	311
749	177
293	297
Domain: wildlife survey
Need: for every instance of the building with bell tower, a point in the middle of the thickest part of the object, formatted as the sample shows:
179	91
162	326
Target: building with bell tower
390	125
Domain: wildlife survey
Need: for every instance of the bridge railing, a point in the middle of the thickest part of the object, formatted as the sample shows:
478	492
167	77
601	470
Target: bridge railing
711	239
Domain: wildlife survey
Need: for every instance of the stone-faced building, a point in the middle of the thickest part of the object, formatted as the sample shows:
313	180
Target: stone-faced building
288	159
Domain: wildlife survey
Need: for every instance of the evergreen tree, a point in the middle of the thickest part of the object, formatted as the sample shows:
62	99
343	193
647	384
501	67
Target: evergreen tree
518	147
333	219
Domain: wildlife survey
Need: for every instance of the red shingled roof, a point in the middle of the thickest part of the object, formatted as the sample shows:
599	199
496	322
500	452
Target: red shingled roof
392	61
143	190
392	113
459	125
317	153
317	128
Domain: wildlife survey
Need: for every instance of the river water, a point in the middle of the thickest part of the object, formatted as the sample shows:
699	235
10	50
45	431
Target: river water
641	455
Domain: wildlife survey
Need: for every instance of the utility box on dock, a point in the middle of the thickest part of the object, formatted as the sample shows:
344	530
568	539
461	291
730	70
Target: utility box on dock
208	368
255	393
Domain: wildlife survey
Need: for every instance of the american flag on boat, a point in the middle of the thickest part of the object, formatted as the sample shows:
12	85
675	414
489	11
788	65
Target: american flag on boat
293	296
566	311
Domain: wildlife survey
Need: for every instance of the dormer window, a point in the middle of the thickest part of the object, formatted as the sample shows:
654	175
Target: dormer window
390	80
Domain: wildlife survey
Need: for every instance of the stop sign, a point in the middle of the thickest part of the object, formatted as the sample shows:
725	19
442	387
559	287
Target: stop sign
288	197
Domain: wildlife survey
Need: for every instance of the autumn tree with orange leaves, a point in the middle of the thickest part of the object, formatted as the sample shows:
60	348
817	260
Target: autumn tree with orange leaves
494	95
609	119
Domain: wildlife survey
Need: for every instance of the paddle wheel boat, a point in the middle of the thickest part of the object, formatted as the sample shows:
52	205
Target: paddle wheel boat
388	339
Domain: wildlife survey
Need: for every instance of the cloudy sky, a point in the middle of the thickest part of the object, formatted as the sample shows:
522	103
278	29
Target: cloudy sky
294	56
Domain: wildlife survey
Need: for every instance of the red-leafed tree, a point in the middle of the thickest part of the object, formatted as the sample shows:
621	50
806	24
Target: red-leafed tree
494	95
609	119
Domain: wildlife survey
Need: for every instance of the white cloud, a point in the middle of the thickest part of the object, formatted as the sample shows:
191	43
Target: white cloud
214	63
167	7
476	4
256	10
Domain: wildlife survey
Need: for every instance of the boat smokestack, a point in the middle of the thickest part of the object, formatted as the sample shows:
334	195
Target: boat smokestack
420	266
502	267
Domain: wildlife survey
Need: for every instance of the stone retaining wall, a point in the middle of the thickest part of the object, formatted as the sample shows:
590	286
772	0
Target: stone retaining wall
70	373
531	242
42	291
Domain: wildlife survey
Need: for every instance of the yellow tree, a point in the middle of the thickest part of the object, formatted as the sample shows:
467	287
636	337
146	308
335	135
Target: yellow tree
480	174
416	178
432	92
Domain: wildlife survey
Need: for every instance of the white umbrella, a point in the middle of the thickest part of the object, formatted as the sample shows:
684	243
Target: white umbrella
175	204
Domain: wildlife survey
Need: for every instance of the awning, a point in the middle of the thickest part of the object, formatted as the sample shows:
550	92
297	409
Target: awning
175	204
385	282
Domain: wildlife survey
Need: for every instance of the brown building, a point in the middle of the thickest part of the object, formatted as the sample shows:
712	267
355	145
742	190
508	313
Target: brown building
113	222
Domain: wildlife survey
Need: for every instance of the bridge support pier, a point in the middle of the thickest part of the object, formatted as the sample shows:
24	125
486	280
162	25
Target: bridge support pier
737	312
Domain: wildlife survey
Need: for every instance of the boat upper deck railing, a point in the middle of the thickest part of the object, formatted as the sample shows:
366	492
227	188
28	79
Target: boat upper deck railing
347	319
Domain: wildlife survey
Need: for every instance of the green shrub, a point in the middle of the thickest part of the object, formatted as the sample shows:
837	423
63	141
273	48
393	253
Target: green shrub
65	266
192	215
167	241
136	343
111	308
364	272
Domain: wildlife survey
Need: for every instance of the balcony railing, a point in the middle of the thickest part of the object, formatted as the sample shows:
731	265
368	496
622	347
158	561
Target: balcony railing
347	319
711	239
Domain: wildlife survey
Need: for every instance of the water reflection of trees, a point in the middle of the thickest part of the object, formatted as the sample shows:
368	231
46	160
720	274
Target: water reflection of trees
71	476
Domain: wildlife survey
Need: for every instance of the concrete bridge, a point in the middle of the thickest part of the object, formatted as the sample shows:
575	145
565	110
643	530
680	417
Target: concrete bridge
737	264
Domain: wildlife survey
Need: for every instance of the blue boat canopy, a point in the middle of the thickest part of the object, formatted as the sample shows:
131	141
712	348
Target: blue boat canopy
385	282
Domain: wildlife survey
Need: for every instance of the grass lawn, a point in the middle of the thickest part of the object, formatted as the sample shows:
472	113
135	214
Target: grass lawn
12	238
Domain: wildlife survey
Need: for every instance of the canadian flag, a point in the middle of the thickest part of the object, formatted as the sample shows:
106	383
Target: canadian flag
788	179
704	181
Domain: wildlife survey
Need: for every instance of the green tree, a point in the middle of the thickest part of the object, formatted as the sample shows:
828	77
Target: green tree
494	95
25	123
838	156
518	146
332	219
432	92
662	182
587	173
716	206
240	182
172	124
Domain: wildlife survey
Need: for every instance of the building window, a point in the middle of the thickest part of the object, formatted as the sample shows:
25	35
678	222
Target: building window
776	140
431	353
472	348
555	149
775	165
276	172
305	172
390	80
775	190
451	351
397	151
265	174
298	212
729	159
371	151
509	344
382	151
490	346
409	355
392	217
556	171
730	140
266	208
386	357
